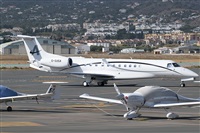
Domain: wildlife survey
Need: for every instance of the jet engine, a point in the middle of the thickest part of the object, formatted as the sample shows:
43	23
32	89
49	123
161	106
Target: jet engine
57	62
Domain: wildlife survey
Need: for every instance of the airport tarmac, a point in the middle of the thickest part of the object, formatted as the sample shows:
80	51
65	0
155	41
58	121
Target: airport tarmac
72	114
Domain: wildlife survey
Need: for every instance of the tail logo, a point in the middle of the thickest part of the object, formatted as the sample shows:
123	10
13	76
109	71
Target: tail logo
35	50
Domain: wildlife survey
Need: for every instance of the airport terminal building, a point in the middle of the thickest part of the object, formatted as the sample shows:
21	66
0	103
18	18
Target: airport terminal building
49	45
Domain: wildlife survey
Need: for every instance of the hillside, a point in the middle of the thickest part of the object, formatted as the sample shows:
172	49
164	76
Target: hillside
43	12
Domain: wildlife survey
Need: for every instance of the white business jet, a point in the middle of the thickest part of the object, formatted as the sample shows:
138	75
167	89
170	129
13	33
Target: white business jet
102	70
9	95
148	97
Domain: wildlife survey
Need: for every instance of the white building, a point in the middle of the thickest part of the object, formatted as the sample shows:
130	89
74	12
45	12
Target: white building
132	50
49	45
103	44
81	48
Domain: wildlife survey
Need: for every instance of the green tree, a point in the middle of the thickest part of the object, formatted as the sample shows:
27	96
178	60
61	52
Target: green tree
186	28
121	34
96	48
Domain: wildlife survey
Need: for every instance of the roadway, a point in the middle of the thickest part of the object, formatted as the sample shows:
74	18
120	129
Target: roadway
72	114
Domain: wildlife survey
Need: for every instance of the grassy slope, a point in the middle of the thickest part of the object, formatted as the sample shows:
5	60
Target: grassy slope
22	59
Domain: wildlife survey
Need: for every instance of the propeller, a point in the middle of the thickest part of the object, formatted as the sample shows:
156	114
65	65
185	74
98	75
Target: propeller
120	96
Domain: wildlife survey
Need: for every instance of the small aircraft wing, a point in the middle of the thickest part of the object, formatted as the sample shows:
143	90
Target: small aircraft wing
25	97
99	76
87	96
51	94
168	105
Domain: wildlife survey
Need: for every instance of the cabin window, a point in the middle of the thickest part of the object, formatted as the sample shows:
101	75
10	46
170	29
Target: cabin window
96	65
130	65
134	65
119	65
125	65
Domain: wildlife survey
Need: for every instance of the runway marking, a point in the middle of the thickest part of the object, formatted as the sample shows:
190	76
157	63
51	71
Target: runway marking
18	124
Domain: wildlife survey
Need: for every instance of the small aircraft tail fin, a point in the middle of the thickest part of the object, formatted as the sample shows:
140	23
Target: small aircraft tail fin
52	90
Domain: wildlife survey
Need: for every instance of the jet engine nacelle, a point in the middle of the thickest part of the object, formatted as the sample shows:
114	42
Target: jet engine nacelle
57	62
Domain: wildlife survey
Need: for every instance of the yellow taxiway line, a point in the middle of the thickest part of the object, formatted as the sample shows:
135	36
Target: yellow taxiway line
18	124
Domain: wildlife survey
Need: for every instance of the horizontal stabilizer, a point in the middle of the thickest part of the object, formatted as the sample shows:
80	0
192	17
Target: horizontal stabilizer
25	36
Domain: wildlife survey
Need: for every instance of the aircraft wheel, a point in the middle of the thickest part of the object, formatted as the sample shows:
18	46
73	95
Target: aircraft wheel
85	84
182	84
9	108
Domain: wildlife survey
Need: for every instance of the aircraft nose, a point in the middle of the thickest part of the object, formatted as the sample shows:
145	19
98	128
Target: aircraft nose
189	73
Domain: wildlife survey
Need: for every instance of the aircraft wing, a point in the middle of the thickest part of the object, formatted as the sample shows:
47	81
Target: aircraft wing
26	97
107	76
168	105
100	99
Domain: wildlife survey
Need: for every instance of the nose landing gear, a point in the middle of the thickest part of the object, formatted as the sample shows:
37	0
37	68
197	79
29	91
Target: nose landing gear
182	84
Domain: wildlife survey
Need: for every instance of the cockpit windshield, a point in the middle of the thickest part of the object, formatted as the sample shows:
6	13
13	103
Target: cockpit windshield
176	65
170	65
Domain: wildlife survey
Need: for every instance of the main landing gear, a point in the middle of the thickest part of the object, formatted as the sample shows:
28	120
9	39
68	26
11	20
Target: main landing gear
9	108
170	115
85	83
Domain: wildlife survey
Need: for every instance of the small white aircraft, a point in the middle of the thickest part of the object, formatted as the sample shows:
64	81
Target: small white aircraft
148	97
102	70
9	95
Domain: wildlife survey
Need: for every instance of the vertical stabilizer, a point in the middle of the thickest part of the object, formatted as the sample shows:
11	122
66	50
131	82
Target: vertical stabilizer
52	90
33	48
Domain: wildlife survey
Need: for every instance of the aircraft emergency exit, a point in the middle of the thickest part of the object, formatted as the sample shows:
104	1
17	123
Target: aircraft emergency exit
102	70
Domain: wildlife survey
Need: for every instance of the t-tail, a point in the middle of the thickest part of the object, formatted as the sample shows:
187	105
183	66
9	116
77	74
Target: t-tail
33	48
40	59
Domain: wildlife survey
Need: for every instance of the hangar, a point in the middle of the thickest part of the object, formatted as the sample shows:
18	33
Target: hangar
49	45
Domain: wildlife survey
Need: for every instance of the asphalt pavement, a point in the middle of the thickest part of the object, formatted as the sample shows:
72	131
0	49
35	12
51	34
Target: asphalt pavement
73	114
